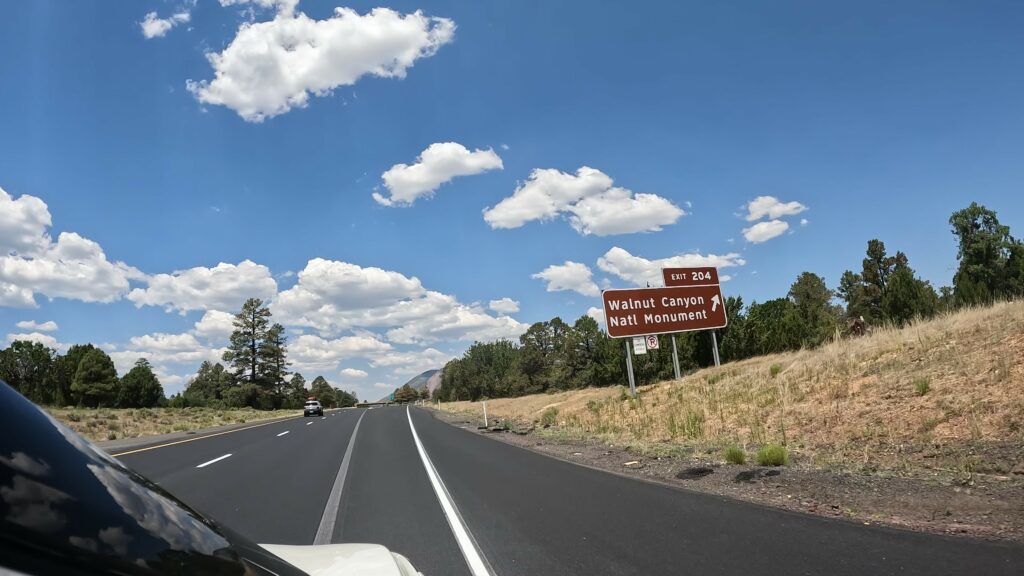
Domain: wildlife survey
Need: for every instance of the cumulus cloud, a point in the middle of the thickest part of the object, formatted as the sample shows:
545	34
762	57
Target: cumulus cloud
44	339
311	353
764	231
411	362
333	296
23	224
641	271
587	199
504	306
438	164
353	373
155	27
772	208
569	276
596	314
215	326
223	287
74	268
274	66
12	296
48	326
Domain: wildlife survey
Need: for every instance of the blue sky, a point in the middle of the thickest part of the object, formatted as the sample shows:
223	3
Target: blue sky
213	179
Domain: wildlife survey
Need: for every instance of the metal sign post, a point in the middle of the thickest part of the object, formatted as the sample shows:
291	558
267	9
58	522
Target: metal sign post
629	369
485	413
675	357
714	348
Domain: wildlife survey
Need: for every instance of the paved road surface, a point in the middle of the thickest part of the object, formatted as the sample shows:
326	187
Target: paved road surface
474	502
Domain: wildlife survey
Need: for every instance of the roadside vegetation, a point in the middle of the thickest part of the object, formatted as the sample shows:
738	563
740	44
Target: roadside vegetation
112	423
854	404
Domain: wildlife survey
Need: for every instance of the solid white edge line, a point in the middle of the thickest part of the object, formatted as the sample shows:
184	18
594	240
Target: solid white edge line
205	464
478	565
330	517
283	433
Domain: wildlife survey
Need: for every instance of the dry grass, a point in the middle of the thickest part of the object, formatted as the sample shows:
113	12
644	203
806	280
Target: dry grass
110	424
852	403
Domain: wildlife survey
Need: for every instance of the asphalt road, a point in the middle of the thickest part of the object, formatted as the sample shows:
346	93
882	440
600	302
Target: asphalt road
460	503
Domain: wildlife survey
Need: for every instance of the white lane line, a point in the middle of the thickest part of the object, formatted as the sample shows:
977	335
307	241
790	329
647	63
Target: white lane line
283	433
205	464
326	529
323	417
478	565
308	423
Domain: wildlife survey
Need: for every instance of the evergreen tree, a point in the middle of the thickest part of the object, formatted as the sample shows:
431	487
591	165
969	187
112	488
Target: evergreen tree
991	260
95	381
140	388
273	359
251	325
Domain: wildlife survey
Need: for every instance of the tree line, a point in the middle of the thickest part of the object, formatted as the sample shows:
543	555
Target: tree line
256	374
83	376
884	290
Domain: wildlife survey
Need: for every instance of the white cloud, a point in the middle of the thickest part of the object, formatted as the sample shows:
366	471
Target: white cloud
215	326
596	314
641	271
589	201
44	339
771	207
155	27
569	276
804	221
333	296
74	268
383	385
504	306
223	287
48	326
271	67
23	224
313	354
15	296
764	231
169	353
411	362
353	373
438	164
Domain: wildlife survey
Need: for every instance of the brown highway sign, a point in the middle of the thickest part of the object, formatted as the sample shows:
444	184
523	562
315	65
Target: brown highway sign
690	276
643	311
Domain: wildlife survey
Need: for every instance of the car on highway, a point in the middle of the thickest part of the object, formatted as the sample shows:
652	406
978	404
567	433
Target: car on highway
66	507
312	408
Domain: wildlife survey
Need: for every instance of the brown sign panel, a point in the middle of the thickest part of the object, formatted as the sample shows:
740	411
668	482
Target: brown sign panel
642	311
690	276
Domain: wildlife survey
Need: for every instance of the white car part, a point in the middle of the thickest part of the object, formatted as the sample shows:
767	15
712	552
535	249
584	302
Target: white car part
344	559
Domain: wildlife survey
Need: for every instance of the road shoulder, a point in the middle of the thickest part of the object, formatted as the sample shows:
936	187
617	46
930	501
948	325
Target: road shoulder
992	509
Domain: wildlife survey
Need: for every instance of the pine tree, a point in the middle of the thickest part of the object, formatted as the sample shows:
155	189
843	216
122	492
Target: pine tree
243	348
273	359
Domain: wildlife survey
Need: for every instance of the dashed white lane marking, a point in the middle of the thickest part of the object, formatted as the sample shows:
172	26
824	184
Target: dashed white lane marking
283	433
308	423
326	529
478	565
205	464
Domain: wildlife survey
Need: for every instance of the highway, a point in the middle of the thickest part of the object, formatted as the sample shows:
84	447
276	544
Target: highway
458	503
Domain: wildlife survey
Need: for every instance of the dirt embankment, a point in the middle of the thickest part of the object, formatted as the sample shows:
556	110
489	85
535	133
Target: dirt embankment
920	427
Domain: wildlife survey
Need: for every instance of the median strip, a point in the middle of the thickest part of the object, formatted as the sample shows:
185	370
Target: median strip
478	565
326	529
205	464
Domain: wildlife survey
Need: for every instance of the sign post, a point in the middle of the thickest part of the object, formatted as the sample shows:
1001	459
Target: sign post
629	370
675	357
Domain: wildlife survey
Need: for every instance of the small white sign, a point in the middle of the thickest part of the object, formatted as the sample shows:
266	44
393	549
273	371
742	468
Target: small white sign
652	342
639	345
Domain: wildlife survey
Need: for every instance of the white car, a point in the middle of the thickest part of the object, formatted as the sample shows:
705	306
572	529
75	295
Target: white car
312	408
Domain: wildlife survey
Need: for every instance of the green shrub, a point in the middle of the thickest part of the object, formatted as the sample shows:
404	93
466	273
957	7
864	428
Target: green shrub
715	378
735	455
921	386
549	416
774	369
594	406
772	455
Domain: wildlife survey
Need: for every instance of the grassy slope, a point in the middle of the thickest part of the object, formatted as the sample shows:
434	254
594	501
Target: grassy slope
853	404
111	424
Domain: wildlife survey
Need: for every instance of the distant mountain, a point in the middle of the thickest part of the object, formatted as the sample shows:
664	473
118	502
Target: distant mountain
423	380
435	381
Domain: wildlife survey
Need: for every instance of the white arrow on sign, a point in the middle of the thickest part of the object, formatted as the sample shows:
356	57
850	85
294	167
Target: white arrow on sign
715	302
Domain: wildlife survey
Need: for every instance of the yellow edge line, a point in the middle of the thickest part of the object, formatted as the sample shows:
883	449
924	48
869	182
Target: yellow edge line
204	437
